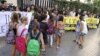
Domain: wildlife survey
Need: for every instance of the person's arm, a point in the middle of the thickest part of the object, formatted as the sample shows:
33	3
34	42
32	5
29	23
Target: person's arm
26	39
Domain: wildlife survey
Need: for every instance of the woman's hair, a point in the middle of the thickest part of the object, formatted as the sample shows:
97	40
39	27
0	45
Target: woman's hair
36	26
43	17
23	19
14	17
81	17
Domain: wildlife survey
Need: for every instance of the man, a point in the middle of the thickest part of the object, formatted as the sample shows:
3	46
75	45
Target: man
78	12
72	13
4	6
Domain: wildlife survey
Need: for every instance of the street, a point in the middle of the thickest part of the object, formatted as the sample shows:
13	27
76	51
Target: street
68	47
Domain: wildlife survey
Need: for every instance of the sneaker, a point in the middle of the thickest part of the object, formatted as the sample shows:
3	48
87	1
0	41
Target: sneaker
43	52
74	40
77	42
50	46
80	46
57	47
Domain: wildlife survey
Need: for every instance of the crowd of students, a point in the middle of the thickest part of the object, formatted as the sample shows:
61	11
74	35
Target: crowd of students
46	26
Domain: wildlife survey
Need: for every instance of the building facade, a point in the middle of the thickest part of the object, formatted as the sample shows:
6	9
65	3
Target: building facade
41	3
25	3
82	1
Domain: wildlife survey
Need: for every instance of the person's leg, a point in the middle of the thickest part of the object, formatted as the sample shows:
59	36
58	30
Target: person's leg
77	37
81	42
55	38
23	54
13	50
62	33
48	36
51	40
59	41
45	39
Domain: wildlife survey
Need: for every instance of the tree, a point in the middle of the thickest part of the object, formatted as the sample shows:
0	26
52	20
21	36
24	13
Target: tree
71	0
97	4
78	0
89	1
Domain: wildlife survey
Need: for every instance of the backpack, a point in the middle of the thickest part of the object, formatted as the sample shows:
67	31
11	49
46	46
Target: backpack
50	29
20	43
33	47
10	35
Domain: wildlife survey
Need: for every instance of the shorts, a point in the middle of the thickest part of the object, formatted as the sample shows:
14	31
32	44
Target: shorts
61	31
58	33
80	34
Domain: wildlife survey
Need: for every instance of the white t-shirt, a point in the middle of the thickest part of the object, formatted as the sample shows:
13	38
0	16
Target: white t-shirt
20	29
85	30
72	14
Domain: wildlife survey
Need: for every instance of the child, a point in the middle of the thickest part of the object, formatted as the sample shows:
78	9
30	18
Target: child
13	25
81	31
50	31
25	33
35	31
59	31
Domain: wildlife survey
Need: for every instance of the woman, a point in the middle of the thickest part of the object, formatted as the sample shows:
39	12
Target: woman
59	30
14	25
24	22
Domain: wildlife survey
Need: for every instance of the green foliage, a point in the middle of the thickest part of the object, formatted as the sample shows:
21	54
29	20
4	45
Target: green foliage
78	5
97	4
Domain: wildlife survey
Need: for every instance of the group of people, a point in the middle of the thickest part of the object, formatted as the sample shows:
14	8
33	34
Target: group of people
46	26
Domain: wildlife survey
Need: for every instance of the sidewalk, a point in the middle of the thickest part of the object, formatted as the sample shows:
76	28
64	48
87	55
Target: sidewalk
68	47
2	42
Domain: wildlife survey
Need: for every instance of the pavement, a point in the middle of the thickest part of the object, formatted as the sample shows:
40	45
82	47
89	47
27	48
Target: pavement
68	47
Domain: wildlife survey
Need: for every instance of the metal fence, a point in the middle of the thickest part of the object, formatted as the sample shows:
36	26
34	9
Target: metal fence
41	3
